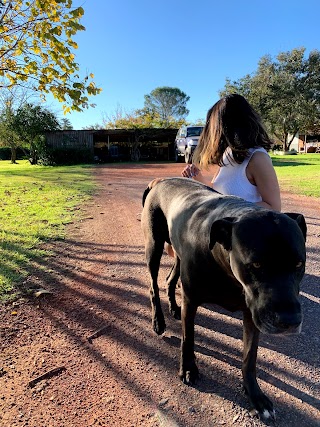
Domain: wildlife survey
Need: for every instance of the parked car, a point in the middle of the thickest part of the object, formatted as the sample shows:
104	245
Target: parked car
186	141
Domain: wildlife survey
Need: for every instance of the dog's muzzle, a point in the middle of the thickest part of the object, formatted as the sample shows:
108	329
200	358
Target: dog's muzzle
278	323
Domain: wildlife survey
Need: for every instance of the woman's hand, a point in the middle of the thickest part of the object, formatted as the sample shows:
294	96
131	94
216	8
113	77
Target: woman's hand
190	171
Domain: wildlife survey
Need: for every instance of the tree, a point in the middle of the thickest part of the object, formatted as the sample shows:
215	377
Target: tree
31	122
168	103
285	91
138	119
37	49
25	128
10	100
66	124
8	134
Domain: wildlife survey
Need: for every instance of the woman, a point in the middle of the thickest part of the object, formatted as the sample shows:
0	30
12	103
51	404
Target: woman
235	140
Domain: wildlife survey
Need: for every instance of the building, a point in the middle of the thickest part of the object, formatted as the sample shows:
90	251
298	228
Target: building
116	144
306	143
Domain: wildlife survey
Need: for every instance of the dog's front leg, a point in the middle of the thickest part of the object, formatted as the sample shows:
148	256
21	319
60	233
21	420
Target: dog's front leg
188	368
259	401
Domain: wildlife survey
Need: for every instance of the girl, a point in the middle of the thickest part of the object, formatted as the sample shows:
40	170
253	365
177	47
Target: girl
235	140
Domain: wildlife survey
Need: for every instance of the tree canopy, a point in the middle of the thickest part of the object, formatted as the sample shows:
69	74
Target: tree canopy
37	50
285	91
168	103
139	119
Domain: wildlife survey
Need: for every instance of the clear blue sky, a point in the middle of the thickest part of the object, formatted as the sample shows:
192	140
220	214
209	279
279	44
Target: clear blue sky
134	46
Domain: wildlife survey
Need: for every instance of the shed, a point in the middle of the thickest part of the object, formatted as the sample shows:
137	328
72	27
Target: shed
117	144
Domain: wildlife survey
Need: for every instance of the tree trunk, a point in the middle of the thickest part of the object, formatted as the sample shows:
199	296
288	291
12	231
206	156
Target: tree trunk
288	143
13	155
33	156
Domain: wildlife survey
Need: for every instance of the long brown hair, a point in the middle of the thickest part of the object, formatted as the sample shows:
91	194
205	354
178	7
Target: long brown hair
233	123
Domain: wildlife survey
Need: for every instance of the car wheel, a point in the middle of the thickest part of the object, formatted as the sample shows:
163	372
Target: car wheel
177	158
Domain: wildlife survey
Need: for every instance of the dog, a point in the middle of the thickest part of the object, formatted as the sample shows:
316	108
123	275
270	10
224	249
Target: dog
228	252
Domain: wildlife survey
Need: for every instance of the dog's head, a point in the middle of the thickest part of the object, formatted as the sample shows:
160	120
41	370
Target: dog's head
267	256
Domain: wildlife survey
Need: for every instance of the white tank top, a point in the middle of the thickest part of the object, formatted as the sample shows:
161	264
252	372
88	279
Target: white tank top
232	179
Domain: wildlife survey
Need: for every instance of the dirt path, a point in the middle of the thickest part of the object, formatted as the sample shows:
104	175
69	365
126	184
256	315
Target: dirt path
127	376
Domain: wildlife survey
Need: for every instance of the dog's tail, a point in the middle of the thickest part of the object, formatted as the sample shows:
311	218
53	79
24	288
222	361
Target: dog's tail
144	196
149	188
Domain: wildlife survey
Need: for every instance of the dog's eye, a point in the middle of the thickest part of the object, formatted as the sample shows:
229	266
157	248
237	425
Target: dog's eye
299	264
256	264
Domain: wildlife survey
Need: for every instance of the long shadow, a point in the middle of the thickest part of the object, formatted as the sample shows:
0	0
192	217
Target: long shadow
96	283
280	163
97	286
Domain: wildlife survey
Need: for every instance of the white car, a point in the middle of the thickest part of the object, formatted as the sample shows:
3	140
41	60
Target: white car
186	141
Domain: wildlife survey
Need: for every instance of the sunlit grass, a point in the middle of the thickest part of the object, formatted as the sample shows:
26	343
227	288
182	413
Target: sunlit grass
299	174
36	203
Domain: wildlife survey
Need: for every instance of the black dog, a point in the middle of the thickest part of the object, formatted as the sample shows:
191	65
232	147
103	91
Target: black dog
229	252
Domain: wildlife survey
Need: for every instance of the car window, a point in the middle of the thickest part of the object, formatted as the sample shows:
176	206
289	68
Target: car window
194	131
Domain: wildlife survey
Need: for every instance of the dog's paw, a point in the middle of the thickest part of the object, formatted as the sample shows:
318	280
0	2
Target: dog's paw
267	417
262	407
159	325
189	377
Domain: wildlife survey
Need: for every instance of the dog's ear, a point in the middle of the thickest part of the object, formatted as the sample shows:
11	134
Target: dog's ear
221	232
300	220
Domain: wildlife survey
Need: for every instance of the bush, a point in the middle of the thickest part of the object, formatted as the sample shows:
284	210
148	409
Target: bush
5	153
65	156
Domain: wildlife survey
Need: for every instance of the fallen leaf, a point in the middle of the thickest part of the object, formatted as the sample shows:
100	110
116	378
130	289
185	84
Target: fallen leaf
38	292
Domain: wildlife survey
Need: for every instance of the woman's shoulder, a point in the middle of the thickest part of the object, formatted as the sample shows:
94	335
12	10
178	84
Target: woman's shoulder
257	153
259	159
254	150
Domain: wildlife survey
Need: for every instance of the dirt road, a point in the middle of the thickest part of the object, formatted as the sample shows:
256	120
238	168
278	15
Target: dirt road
125	375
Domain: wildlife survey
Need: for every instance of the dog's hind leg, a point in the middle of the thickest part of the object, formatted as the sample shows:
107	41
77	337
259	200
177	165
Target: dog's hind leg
172	280
154	251
258	400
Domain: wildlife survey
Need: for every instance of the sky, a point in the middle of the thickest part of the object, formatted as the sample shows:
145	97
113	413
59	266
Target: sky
135	46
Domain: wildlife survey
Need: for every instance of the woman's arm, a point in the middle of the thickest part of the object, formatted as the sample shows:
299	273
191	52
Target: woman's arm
260	172
191	171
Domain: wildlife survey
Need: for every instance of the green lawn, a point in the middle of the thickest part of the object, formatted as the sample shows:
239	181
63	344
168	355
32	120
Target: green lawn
36	202
299	174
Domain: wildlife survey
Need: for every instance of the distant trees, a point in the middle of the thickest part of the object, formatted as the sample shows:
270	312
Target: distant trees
25	127
8	135
66	124
286	92
167	103
164	107
138	119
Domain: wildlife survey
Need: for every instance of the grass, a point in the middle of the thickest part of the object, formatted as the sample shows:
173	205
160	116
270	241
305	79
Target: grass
299	174
36	203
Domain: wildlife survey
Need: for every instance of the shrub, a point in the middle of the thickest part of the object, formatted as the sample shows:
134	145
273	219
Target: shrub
65	156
